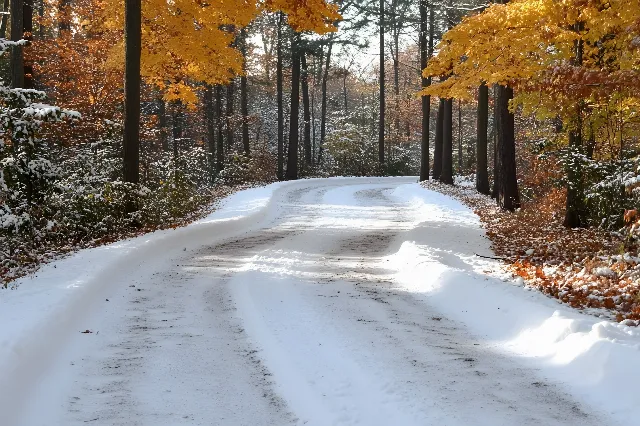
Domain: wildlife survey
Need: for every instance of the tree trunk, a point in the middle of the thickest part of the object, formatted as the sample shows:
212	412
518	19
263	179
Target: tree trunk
459	137
209	118
244	102
131	131
279	100
482	173
292	158
575	206
162	123
382	100
220	125
508	197
314	86
5	18
40	15
323	106
496	160
17	54
426	49
446	175
437	153
396	80
27	29
177	128
229	112
306	112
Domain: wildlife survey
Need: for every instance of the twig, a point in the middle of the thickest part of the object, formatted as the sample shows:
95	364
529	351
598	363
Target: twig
491	257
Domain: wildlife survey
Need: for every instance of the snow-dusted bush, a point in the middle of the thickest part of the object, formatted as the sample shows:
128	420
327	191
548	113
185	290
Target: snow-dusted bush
241	169
351	150
605	185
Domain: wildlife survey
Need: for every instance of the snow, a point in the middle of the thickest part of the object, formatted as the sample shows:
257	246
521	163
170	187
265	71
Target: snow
324	301
596	360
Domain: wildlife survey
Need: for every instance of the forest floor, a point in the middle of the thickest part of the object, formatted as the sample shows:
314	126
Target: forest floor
589	269
345	301
33	256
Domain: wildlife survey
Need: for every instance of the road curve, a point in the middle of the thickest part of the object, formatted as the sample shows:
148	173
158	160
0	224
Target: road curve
291	319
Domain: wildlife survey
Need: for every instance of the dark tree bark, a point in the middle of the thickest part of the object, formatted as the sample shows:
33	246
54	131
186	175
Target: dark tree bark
426	50
496	159
209	118
575	213
279	99
131	131
40	15
323	106
482	173
244	102
27	30
437	153
395	54
5	18
382	100
306	112
220	126
446	176
459	136
177	128
292	157
508	197
162	123
229	112
314	86
17	54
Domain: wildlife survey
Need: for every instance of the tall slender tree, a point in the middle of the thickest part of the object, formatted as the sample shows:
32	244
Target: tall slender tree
209	117
131	130
482	173
426	51
244	96
230	130
446	176
17	54
437	149
382	99
292	157
279	92
575	206
27	30
4	19
323	105
306	111
507	194
507	183
220	126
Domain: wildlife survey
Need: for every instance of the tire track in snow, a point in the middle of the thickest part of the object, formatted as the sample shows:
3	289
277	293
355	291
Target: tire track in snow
346	347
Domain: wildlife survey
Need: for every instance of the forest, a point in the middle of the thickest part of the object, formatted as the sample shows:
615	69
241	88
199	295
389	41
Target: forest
121	120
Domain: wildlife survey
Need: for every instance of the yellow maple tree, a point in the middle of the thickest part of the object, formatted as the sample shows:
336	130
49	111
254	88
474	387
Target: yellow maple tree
531	46
192	40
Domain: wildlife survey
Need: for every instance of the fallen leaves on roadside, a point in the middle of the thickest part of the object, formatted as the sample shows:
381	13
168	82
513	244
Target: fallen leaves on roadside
588	269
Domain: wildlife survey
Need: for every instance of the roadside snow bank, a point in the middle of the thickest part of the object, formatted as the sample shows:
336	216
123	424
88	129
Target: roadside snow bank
598	361
46	306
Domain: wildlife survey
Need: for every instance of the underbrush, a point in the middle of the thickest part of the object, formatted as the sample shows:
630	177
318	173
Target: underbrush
86	204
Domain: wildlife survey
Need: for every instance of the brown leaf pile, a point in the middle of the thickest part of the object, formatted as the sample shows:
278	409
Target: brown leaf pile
589	269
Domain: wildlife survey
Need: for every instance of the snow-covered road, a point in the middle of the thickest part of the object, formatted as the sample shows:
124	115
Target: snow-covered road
324	302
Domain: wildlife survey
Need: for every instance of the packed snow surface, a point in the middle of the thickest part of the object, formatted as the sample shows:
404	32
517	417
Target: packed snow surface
320	302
